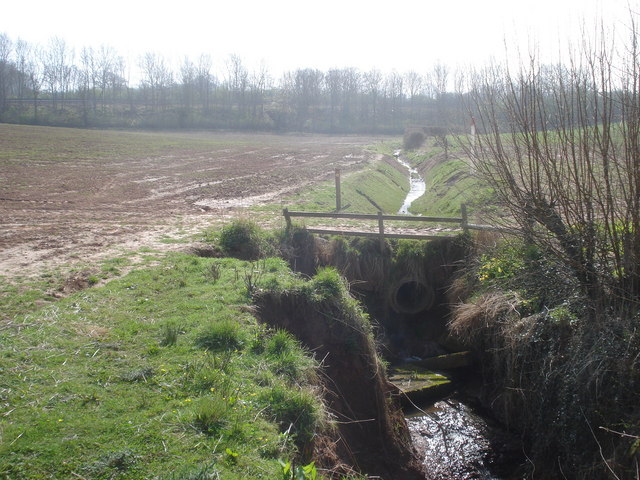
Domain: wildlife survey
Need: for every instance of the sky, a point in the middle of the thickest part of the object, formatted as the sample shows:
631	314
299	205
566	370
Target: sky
400	35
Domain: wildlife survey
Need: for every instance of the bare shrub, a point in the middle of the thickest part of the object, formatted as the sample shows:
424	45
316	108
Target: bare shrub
413	139
559	144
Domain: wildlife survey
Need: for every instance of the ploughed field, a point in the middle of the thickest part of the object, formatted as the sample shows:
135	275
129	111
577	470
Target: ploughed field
68	194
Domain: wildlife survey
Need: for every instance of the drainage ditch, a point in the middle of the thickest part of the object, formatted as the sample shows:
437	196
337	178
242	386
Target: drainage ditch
406	298
417	185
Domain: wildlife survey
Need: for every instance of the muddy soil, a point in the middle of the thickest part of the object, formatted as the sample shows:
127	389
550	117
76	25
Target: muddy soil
58	207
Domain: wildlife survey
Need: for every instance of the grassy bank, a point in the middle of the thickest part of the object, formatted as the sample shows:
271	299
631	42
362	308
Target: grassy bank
449	181
163	373
381	186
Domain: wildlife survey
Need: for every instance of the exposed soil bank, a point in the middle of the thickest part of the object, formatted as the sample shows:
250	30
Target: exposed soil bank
403	287
372	435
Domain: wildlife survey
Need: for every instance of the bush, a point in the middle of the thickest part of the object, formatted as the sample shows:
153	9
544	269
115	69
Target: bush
288	358
328	284
210	415
413	140
244	239
169	334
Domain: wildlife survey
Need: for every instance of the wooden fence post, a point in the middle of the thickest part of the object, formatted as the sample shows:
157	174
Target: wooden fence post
381	230
465	219
287	217
338	192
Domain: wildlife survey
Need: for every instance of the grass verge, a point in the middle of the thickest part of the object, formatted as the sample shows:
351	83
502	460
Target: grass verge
163	373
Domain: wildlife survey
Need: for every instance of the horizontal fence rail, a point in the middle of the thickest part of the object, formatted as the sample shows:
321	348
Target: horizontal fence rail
461	222
371	216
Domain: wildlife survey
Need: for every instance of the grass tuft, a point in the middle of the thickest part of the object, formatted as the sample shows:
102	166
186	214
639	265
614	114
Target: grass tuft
244	239
169	334
222	335
296	411
210	415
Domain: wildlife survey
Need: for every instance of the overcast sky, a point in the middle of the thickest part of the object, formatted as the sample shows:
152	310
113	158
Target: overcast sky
389	35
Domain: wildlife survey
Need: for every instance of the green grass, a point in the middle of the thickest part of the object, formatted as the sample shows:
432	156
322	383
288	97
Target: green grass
448	185
118	381
383	185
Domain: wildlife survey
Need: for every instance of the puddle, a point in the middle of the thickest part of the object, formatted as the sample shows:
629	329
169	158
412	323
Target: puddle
457	443
417	186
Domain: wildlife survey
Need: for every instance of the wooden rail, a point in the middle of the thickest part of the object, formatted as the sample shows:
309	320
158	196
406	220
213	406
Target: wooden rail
381	218
462	222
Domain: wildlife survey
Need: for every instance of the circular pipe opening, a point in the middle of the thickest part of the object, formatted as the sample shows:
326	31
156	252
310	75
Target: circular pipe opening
411	296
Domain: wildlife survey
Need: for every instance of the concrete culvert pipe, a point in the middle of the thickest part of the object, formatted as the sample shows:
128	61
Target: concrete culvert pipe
411	296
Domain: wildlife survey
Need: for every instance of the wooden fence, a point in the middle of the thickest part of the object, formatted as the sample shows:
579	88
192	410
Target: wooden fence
461	222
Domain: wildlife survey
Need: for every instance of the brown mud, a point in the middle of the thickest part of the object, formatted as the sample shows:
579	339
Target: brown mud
78	202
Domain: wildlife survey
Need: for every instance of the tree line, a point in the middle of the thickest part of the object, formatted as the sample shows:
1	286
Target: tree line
91	87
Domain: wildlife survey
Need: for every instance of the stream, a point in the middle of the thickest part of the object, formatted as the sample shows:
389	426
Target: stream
455	442
417	185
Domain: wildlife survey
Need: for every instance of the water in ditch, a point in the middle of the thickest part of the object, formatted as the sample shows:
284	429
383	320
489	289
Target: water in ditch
417	186
455	442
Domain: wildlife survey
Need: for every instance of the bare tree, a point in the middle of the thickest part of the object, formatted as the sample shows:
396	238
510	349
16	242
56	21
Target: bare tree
414	83
59	70
372	82
205	81
394	87
259	83
6	48
109	68
333	86
87	77
157	78
34	74
22	50
561	147
237	81
439	79
351	87
188	75
306	92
